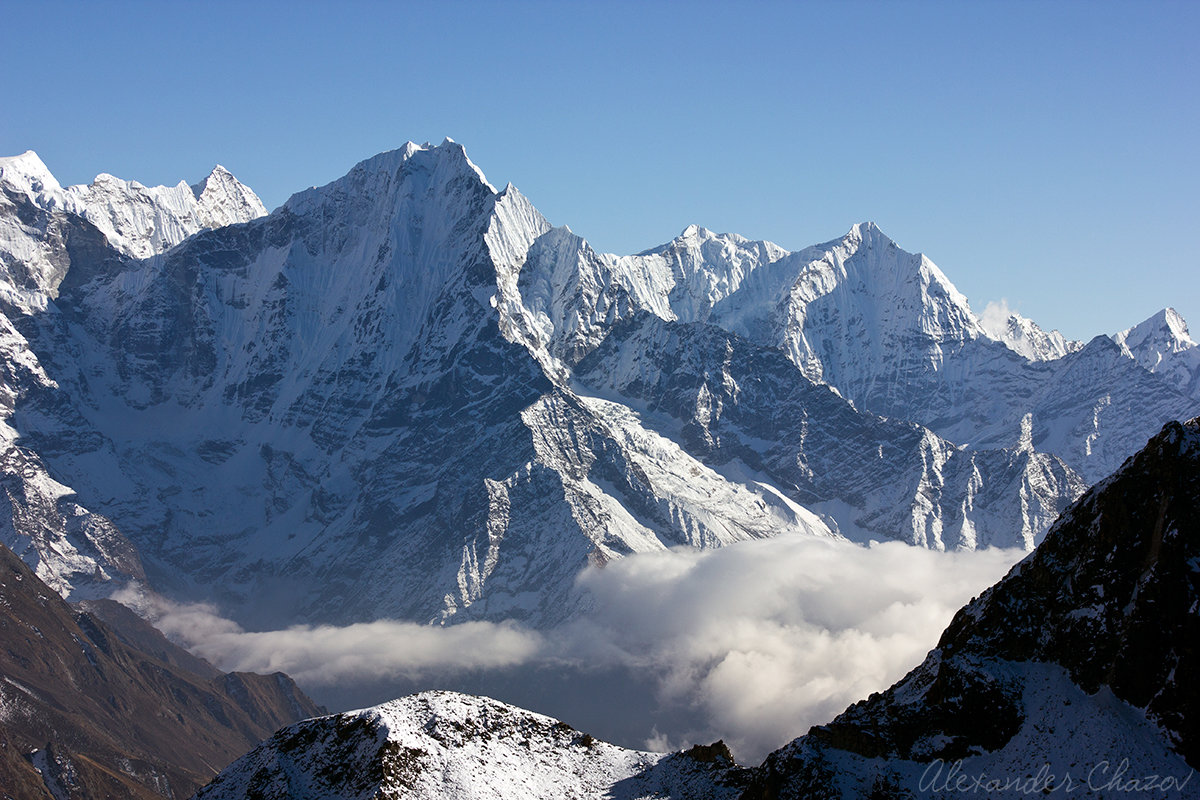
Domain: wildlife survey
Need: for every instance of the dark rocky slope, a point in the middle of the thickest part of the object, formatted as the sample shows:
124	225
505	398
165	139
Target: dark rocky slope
89	710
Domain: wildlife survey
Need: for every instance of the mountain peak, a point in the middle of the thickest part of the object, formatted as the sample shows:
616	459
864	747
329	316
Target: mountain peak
1155	342
224	200
868	232
373	177
693	234
27	173
1166	328
217	173
1163	345
1172	322
1024	336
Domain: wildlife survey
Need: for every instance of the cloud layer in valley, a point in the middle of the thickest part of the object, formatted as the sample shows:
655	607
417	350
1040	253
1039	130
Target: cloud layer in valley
752	643
771	637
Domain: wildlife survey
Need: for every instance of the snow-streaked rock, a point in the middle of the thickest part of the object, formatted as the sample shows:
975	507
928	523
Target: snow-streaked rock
748	411
76	552
439	744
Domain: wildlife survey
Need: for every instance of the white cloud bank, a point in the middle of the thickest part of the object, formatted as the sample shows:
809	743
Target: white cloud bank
758	641
319	655
771	637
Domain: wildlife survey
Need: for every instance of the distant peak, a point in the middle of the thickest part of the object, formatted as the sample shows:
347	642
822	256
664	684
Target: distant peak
693	231
868	232
29	161
223	200
447	161
1164	331
449	151
1101	344
27	172
1173	321
217	174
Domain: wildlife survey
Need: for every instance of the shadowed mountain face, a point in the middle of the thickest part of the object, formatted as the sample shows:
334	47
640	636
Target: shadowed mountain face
1079	658
93	710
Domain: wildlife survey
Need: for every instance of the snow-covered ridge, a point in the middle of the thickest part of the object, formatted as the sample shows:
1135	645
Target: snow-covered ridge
137	221
436	745
1024	336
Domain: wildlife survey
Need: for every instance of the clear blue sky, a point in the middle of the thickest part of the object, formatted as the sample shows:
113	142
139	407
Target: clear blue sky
1045	152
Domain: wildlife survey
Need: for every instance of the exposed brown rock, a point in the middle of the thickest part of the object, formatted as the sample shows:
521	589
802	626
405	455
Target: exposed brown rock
109	719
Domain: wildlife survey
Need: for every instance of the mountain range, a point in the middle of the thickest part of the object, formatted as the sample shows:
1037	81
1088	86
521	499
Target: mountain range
405	394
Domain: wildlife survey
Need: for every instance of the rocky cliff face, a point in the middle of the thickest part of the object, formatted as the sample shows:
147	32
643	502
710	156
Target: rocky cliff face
1077	660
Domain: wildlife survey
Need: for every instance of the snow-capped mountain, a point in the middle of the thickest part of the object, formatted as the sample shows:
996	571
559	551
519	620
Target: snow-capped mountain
893	335
441	744
137	221
406	394
372	387
1163	345
1077	660
885	328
